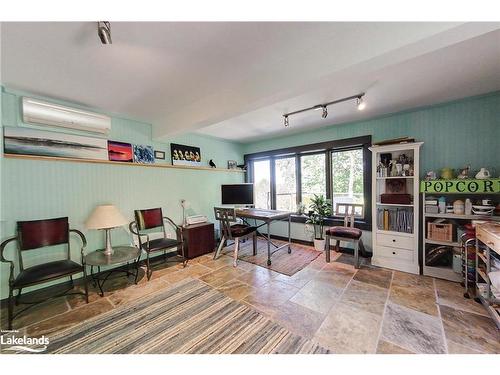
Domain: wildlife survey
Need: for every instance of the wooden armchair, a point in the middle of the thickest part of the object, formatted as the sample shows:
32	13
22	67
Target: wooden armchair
150	221
38	234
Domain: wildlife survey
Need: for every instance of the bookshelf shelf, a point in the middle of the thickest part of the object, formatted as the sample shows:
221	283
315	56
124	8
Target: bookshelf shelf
396	177
442	243
394	205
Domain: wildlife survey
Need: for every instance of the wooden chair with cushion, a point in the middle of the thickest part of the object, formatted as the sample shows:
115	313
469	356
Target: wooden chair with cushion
347	232
152	221
38	234
233	232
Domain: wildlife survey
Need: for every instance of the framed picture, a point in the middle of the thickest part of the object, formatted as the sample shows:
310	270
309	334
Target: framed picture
395	186
160	155
185	155
143	154
120	151
26	141
232	164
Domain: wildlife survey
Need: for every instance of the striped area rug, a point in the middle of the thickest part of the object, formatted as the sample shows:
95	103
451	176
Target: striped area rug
188	317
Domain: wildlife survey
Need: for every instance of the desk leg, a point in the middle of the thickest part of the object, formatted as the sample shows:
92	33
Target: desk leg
289	234
268	243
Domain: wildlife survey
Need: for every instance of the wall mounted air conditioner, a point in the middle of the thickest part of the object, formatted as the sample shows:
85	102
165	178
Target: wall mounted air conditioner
43	113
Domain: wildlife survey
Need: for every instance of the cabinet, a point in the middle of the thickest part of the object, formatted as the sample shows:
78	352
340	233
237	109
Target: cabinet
395	206
199	239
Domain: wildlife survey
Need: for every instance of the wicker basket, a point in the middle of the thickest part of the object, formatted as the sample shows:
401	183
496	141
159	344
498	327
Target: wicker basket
440	232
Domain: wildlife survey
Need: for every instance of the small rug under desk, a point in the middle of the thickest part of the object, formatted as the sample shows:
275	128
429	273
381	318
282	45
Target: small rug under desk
187	317
282	262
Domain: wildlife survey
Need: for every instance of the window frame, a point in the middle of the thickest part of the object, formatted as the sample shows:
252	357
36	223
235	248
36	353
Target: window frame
327	148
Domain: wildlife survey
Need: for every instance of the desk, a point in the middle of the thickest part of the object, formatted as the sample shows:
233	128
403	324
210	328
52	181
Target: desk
267	217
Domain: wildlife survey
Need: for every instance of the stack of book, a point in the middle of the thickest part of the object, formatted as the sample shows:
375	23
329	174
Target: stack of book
395	219
431	205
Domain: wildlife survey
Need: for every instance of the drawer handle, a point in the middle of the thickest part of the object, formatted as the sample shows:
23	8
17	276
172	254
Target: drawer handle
393	240
394	252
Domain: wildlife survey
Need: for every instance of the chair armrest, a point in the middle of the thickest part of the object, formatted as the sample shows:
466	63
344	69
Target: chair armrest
3	259
84	242
178	230
132	227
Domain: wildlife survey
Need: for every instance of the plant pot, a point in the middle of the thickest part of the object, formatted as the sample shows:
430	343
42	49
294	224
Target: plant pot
319	245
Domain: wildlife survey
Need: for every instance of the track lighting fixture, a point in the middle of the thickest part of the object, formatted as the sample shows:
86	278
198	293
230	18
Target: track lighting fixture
359	102
325	112
104	32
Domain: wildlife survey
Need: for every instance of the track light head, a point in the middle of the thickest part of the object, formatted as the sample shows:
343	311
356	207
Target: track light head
104	32
360	103
325	112
286	123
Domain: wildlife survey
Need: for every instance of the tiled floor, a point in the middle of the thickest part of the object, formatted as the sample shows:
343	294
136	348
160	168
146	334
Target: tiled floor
371	310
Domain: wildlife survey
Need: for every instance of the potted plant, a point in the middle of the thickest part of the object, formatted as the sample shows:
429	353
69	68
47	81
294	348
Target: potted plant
320	208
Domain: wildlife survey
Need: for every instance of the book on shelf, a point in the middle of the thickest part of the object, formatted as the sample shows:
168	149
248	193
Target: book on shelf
395	219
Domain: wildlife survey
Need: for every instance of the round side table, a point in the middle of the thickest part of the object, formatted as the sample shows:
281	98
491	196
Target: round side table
121	255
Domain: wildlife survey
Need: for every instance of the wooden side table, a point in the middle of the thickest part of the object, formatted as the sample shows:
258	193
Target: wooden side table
199	239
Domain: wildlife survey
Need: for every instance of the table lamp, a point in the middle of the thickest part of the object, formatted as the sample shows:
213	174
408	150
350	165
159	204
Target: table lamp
106	217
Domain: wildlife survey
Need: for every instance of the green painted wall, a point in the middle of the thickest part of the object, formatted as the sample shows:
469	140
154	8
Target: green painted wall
34	189
455	134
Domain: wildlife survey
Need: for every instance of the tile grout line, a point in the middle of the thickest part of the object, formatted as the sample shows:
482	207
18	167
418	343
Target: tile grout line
383	313
445	342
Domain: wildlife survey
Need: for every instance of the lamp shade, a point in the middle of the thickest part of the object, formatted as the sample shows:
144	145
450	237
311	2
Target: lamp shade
105	217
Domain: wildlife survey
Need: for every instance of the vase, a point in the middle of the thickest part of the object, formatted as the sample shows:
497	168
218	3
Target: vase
319	245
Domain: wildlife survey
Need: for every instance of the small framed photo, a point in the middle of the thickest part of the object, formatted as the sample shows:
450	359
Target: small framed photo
160	155
232	164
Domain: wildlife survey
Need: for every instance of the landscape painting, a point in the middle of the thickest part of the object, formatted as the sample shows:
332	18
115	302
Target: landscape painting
119	151
143	154
25	141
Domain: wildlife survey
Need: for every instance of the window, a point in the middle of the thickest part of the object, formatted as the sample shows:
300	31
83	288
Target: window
347	177
262	184
340	170
313	176
286	184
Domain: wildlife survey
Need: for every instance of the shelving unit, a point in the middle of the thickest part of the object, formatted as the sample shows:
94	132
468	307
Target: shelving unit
158	165
489	236
396	249
485	189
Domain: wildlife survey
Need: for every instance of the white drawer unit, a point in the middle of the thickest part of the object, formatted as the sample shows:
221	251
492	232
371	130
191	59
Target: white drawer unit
395	217
394	240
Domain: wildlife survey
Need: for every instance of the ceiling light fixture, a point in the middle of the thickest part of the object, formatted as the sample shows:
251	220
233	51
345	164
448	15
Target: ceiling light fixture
359	102
104	32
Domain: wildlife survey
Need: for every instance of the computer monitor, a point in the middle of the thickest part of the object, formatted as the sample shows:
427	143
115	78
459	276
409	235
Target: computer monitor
238	194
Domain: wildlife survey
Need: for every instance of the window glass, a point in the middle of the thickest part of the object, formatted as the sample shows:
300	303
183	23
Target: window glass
313	177
286	184
262	183
347	177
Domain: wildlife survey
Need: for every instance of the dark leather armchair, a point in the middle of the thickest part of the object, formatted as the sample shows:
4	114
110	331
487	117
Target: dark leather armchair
37	234
151	221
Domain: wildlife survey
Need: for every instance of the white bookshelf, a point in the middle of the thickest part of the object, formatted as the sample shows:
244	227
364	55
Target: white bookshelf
392	248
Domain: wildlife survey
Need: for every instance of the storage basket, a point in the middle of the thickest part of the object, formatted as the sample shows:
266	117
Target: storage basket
440	232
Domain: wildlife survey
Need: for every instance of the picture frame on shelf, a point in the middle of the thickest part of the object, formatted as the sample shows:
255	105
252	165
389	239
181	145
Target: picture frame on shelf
185	155
160	155
232	164
120	152
143	154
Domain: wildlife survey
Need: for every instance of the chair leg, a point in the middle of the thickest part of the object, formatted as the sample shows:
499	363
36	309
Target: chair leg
183	251
327	248
236	248
219	249
356	254
148	267
18	297
337	246
85	285
254	243
11	306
